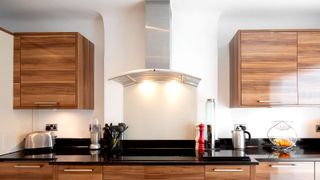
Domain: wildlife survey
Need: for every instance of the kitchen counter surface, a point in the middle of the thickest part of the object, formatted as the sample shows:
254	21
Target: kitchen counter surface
99	157
161	156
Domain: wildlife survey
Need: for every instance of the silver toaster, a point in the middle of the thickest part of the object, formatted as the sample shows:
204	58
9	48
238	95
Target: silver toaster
40	139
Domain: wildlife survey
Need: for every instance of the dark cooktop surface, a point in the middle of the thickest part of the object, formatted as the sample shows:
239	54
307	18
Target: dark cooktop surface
225	155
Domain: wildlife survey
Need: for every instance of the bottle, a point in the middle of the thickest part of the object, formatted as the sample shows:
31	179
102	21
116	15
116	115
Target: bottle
201	147
210	136
94	129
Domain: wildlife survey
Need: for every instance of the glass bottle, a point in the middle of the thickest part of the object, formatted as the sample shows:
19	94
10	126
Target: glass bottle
210	133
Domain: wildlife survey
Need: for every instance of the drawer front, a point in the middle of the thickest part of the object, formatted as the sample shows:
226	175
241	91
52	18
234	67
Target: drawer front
174	172
26	171
285	170
216	172
123	172
79	172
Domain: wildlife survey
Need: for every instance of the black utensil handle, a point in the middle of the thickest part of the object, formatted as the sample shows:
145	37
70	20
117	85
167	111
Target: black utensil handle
249	135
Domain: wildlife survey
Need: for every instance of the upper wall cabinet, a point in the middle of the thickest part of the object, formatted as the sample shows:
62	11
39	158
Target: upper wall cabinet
263	68
53	70
309	68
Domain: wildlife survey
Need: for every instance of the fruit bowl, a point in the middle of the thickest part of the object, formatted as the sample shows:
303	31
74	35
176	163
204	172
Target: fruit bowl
282	136
282	143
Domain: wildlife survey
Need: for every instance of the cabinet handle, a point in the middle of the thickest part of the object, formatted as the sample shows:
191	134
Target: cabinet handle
227	170
28	166
78	170
46	103
268	101
282	165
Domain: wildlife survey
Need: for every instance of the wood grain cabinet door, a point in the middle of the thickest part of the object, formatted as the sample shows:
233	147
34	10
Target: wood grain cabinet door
79	172
26	171
268	62
48	70
309	68
174	172
123	172
230	172
285	170
53	70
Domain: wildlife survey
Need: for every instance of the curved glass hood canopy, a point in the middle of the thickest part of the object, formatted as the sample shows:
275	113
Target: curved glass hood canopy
158	47
137	76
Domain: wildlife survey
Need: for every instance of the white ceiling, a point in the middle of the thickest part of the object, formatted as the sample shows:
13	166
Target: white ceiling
43	8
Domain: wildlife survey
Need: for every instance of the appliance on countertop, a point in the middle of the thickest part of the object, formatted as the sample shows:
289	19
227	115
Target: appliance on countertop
225	155
238	136
94	129
158	47
39	140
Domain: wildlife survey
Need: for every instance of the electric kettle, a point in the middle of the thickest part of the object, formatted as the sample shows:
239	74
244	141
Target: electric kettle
238	136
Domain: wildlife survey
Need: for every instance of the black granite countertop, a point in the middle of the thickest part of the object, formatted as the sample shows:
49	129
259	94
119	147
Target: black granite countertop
163	154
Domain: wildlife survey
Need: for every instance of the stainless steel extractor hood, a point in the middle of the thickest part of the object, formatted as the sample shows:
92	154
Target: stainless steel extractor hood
158	47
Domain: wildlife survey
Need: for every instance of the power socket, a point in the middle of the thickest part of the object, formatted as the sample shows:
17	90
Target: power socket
51	127
318	128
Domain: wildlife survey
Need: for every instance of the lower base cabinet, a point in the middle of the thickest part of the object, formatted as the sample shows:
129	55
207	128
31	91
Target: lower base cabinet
153	172
26	171
285	170
123	172
79	172
218	172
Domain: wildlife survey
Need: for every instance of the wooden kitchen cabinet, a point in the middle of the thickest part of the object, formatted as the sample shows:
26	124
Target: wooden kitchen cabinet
309	68
174	172
26	171
53	70
263	69
168	172
123	172
229	172
285	170
79	172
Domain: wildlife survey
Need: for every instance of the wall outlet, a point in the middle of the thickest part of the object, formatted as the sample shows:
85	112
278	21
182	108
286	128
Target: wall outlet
51	127
318	128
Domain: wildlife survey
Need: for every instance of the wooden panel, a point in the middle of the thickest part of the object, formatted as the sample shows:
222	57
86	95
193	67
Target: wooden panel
62	93
235	88
79	172
48	70
174	172
218	172
54	67
46	76
263	50
309	86
16	73
16	94
123	172
269	87
85	73
26	171
309	49
285	170
48	52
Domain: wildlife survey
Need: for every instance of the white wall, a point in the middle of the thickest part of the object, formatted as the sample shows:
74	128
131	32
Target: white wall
124	51
259	120
160	110
71	123
14	124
